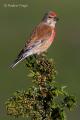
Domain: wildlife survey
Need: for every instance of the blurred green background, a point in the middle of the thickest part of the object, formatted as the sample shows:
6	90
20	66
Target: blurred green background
15	26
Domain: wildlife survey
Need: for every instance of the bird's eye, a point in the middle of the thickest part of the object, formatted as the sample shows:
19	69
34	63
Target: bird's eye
49	17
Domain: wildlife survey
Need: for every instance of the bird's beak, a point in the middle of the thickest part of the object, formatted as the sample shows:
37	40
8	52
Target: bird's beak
56	18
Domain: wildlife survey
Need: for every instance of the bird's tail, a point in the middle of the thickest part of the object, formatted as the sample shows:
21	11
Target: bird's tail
16	62
20	58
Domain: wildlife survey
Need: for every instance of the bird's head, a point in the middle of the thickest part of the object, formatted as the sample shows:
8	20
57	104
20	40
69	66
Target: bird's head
50	18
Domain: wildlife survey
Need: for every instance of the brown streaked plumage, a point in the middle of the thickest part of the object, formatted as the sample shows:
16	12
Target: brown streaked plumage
40	38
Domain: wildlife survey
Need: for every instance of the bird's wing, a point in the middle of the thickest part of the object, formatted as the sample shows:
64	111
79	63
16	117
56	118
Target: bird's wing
40	34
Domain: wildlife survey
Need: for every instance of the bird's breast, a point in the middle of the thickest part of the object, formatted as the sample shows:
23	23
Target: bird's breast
52	36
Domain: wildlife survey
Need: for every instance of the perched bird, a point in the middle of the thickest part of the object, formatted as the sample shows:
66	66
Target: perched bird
40	39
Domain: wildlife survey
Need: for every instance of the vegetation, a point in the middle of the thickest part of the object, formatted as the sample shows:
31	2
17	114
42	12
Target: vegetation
45	100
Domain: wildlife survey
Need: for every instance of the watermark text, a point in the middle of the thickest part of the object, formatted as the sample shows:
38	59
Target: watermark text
15	5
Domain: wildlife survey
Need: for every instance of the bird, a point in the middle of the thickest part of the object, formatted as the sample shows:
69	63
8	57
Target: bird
40	38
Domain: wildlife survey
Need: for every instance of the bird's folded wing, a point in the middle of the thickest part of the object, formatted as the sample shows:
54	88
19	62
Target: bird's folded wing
39	35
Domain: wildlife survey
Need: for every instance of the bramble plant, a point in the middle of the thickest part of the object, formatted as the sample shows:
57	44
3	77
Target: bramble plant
45	100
